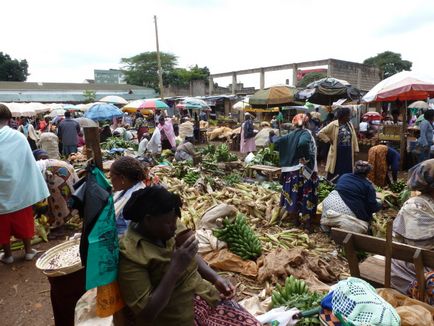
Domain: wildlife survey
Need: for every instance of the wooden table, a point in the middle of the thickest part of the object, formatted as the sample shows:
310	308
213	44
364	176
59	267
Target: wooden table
272	172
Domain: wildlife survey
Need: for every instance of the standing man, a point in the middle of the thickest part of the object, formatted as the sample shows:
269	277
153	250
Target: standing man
68	133
21	186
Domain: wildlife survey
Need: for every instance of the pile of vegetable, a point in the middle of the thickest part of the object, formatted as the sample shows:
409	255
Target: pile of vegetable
218	154
267	156
191	177
232	179
398	186
240	237
118	142
295	293
324	189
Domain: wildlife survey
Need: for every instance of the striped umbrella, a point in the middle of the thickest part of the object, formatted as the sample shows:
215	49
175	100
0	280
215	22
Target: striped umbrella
153	105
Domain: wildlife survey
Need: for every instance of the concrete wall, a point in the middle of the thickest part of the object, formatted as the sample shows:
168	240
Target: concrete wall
361	76
197	88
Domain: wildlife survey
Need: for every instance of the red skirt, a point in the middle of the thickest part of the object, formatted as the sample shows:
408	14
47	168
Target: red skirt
20	224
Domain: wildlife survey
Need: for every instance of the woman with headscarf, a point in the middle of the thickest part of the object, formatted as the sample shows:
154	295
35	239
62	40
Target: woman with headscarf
60	178
343	144
414	224
381	157
297	151
168	138
351	205
247	140
162	279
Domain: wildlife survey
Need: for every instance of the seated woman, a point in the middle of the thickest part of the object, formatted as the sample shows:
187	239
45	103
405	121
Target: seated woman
126	176
414	224
185	152
351	205
60	178
164	282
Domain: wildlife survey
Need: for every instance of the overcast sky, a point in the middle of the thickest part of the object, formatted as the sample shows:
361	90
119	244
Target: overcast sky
64	41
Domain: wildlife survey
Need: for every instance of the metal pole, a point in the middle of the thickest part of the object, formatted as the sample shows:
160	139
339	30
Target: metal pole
160	71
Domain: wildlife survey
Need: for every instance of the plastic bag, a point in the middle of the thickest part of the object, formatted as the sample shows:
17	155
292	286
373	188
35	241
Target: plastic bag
249	158
214	216
414	316
227	261
108	300
284	317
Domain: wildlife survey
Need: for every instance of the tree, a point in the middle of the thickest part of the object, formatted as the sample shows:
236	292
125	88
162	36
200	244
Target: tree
182	77
89	96
12	69
310	77
142	69
389	63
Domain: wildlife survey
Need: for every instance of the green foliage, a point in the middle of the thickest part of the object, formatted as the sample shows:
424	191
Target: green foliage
142	70
389	63
311	77
240	237
12	69
89	96
117	142
232	179
267	156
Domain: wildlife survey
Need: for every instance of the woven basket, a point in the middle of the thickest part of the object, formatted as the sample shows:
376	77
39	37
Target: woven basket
43	262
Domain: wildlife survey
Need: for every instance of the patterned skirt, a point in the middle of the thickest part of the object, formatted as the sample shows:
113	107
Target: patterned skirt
299	195
227	313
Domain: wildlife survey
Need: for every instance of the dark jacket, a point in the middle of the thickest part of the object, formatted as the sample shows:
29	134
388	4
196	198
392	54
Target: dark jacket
359	195
68	132
294	146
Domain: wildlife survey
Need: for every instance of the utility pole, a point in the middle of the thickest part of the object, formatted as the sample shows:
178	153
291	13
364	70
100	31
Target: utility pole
160	71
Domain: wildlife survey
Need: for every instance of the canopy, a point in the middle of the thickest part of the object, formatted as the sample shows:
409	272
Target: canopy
103	111
192	103
278	95
85	122
405	85
20	109
419	105
113	99
328	90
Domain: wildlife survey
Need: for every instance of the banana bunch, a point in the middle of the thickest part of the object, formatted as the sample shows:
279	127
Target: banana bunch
240	237
282	294
191	177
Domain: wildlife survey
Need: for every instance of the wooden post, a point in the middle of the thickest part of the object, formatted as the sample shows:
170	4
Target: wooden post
351	255
388	255
403	147
420	275
91	135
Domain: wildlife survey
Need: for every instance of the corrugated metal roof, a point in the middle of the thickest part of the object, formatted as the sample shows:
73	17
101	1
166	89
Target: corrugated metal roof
66	86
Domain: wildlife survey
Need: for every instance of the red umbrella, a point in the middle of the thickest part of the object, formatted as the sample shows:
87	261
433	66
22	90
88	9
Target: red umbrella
410	88
371	116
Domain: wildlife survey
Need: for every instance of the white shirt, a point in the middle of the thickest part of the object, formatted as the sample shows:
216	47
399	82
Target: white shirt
363	126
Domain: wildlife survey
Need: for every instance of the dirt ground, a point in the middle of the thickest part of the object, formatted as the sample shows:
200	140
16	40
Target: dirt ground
25	291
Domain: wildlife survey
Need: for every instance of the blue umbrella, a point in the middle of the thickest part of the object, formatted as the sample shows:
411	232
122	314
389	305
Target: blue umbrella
103	111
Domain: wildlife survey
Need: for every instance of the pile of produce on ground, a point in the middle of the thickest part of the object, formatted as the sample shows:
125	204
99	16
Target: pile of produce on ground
266	156
118	142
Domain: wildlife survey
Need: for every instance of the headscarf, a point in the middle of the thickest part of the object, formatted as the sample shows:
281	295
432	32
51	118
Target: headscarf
300	119
362	167
422	176
39	152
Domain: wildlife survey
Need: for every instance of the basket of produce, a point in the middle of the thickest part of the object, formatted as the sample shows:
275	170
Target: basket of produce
61	260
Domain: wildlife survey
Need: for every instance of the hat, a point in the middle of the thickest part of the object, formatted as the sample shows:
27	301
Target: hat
39	152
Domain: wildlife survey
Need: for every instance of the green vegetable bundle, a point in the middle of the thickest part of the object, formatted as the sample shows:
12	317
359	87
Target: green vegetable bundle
222	154
398	186
324	189
191	177
240	237
267	156
117	142
232	179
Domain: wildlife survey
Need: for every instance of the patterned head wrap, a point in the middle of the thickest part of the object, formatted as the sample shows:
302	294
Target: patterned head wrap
362	167
300	119
422	176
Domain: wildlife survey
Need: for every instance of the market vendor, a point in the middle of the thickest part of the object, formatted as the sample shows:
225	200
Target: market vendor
167	283
247	140
425	140
343	144
167	133
353	201
297	151
382	158
185	152
126	176
186	129
414	224
60	177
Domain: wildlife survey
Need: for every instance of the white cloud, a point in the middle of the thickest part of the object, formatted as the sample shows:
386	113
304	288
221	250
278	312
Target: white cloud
66	40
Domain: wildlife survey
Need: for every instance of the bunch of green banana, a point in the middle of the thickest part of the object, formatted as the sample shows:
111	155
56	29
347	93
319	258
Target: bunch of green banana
282	294
240	237
191	177
398	186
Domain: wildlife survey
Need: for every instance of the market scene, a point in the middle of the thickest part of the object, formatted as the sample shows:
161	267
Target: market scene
153	195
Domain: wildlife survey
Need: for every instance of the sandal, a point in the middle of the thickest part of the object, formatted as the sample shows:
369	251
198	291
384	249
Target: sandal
30	255
6	260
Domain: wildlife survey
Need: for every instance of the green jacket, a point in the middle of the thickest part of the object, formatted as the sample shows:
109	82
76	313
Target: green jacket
294	146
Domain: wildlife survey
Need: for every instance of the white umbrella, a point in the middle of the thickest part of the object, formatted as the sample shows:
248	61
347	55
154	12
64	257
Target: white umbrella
84	107
113	99
418	105
242	105
20	109
85	122
38	107
56	112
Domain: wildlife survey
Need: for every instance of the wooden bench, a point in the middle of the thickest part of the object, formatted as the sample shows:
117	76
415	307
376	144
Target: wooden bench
376	269
272	172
